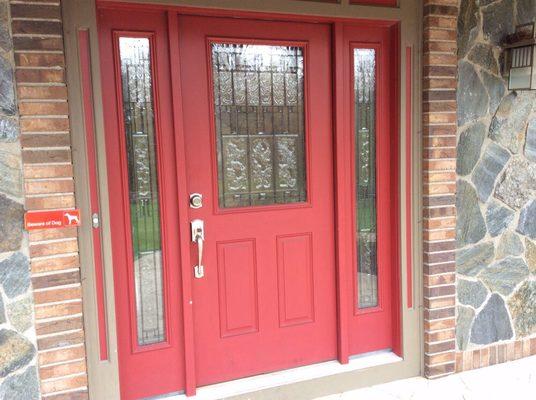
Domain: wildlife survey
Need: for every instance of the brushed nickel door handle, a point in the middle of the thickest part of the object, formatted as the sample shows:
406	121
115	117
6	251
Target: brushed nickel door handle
198	237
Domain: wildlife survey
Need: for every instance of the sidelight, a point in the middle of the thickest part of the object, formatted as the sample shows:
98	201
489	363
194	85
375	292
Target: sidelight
140	140
364	61
260	125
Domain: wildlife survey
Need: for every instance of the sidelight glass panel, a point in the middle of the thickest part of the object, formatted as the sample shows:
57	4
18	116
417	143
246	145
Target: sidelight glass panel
365	172
259	118
138	111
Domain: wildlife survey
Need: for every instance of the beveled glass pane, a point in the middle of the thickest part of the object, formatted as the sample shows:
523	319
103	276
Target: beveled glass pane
259	119
365	153
138	113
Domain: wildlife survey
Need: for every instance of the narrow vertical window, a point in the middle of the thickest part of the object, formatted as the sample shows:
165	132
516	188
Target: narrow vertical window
138	113
365	172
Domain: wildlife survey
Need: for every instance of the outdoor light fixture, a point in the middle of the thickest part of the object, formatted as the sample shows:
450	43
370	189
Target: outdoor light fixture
521	58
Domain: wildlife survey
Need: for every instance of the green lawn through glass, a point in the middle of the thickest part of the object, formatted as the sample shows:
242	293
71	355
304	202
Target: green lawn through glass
145	227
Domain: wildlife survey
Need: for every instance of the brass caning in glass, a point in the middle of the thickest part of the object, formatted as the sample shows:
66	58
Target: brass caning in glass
138	114
259	120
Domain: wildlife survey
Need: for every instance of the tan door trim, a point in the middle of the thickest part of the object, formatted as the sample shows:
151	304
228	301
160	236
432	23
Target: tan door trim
103	376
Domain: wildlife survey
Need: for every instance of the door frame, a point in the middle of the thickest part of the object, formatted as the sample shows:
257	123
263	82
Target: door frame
100	326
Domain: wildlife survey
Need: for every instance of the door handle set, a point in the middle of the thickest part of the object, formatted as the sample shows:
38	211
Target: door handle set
198	234
198	237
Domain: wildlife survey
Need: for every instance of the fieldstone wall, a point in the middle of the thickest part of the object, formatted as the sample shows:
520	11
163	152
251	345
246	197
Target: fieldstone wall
496	188
18	371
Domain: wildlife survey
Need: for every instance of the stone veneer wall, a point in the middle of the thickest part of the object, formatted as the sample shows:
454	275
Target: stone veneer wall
496	191
18	372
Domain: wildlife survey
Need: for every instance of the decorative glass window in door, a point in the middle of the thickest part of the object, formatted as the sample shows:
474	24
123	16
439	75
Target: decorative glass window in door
365	172
259	120
140	139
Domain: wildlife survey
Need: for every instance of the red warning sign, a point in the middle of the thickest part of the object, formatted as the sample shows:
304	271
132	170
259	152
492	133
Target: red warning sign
51	219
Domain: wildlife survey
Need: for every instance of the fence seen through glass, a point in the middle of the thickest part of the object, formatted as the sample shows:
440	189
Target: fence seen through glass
260	126
140	139
365	172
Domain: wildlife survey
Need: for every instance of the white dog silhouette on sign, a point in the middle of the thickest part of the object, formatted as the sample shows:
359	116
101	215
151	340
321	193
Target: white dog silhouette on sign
72	219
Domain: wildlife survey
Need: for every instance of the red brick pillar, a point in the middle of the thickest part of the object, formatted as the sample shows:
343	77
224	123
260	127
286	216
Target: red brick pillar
48	183
439	185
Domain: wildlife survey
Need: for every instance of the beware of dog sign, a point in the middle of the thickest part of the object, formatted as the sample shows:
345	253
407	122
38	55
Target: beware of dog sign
51	219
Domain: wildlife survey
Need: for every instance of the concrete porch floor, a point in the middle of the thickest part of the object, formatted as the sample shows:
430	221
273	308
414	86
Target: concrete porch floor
515	380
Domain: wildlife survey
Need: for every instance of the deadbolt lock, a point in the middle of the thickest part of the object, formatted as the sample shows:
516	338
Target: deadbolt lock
196	200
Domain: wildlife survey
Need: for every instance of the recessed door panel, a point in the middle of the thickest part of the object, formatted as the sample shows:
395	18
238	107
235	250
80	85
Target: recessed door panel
295	279
238	292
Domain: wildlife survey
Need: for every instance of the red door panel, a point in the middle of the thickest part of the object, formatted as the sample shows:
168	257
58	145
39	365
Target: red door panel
295	279
141	234
372	103
237	287
267	300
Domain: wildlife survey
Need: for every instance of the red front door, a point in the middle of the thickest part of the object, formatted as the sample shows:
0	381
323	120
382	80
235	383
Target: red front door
220	156
257	123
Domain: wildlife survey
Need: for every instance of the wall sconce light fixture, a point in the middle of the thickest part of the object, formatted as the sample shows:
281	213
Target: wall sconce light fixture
521	57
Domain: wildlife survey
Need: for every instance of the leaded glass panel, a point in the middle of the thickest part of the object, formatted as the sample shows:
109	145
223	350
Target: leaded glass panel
365	153
138	113
259	118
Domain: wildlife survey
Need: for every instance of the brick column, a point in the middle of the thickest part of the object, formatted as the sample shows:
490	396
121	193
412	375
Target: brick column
439	185
48	183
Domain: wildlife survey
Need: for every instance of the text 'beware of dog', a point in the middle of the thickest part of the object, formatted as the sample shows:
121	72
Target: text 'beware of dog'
51	219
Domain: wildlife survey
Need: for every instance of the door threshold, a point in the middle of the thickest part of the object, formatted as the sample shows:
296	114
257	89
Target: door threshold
288	376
